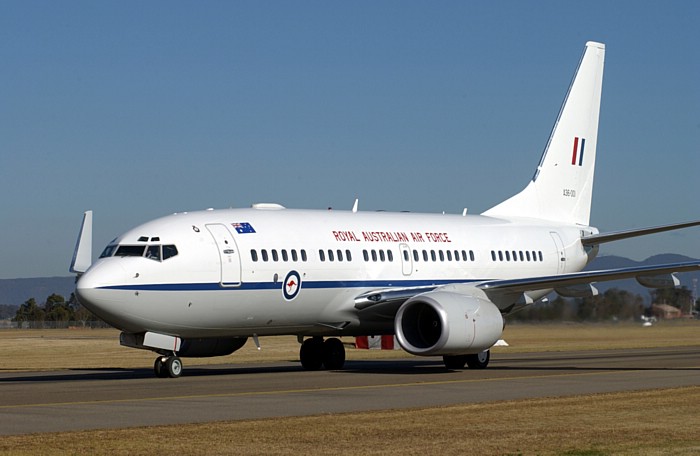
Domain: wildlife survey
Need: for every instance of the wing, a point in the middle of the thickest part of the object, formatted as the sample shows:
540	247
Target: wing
511	294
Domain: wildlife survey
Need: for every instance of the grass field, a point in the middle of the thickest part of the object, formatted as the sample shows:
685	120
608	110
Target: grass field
658	422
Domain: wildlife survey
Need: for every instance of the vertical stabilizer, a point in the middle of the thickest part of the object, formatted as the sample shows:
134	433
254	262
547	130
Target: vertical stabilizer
562	186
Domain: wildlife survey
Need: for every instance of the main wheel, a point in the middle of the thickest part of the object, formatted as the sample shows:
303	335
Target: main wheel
479	360
311	353
333	354
455	362
173	365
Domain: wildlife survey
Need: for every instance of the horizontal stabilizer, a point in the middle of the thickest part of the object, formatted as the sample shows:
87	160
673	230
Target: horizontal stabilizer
602	238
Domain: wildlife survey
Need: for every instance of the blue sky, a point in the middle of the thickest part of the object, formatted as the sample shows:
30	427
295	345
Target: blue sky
140	109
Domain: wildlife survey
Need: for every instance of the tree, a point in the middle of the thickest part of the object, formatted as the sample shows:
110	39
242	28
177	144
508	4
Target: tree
681	298
56	309
31	313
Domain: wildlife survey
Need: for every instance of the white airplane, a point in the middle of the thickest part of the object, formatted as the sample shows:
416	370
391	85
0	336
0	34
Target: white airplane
199	284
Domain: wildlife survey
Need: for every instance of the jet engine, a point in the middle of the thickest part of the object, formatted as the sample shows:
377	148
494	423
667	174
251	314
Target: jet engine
447	323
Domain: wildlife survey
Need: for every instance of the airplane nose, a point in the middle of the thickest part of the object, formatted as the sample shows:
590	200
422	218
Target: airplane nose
94	290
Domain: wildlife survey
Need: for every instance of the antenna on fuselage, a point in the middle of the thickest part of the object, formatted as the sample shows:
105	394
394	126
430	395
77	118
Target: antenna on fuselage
355	206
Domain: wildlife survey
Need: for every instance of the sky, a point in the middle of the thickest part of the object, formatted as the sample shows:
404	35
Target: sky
136	110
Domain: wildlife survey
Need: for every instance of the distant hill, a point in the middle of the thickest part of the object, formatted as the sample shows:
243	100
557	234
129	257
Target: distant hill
15	292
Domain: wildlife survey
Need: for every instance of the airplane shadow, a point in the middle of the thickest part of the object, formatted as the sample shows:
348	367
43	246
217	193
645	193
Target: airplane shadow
407	367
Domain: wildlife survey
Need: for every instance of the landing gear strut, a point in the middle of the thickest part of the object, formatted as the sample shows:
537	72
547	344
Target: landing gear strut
167	366
315	353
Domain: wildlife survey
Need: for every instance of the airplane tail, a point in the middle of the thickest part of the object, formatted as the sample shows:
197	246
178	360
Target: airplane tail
562	186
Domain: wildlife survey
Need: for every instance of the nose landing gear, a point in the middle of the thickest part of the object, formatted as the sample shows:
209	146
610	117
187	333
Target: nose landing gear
167	366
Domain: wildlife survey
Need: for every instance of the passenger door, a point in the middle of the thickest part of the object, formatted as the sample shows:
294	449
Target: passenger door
229	256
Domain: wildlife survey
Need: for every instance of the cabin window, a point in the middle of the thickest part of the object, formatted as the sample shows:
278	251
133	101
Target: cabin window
471	255
339	254
415	255
330	255
540	255
303	255
295	257
522	257
264	255
406	257
442	255
321	255
275	257
348	255
365	255
381	255
285	256
253	255
527	255
425	255
374	255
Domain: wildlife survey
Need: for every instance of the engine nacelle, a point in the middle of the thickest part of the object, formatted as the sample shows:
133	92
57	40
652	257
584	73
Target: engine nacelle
203	348
447	323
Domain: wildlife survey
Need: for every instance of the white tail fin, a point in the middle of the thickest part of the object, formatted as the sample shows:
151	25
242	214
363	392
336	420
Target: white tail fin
562	186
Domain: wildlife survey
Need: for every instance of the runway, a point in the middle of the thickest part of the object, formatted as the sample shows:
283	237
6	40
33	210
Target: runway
114	398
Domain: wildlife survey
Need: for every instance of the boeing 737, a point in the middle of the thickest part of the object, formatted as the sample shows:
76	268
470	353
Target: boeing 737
198	284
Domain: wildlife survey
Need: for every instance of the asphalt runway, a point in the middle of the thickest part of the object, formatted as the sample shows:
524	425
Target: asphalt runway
117	398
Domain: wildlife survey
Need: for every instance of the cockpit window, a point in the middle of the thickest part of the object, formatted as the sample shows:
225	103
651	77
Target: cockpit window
108	251
169	251
154	252
130	250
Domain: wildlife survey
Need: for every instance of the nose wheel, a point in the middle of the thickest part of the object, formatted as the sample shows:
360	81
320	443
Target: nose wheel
167	366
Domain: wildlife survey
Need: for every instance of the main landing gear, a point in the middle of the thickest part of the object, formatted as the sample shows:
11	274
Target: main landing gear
167	366
316	353
475	361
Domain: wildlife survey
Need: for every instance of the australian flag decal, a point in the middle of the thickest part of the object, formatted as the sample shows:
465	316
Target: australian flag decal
243	228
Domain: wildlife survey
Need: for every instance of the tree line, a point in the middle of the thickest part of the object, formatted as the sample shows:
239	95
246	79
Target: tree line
55	312
614	304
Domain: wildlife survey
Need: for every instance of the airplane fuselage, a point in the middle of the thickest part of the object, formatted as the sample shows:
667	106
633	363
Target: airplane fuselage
270	270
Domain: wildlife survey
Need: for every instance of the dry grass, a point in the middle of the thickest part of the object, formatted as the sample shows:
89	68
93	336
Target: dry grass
603	424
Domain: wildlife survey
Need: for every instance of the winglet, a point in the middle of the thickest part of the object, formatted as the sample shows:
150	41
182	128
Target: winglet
82	256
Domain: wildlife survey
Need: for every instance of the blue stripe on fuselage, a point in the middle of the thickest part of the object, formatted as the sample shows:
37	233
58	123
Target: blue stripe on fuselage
324	284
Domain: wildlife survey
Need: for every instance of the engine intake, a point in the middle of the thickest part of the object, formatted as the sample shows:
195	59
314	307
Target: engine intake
447	323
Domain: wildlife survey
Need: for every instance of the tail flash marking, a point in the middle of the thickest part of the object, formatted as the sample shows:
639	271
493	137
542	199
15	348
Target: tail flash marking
578	152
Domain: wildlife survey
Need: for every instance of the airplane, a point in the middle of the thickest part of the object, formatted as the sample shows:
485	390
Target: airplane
198	284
